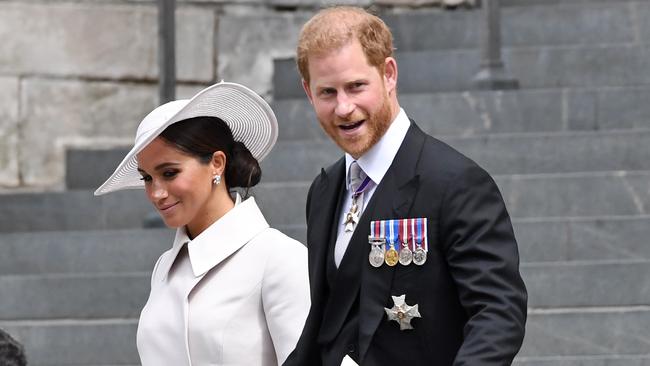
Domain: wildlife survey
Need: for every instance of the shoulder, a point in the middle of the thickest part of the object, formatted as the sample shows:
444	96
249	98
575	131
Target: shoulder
275	243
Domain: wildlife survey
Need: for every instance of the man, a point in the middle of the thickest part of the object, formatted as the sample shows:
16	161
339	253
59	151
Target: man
437	281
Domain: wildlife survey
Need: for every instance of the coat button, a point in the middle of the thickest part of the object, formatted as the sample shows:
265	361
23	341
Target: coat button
352	349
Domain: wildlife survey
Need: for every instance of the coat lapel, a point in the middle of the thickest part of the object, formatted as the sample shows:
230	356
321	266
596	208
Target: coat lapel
392	200
323	205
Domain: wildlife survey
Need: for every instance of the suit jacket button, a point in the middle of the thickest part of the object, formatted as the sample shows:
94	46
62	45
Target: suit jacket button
352	349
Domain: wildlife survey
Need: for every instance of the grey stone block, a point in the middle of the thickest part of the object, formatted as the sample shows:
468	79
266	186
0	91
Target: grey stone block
532	153
560	24
583	239
9	131
110	251
57	114
249	41
83	296
72	210
587	284
88	169
77	342
88	41
613	360
587	332
580	194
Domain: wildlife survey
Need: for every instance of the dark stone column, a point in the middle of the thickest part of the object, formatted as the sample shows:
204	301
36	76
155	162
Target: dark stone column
492	75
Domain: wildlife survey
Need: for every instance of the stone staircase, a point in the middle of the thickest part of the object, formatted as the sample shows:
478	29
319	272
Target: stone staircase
570	152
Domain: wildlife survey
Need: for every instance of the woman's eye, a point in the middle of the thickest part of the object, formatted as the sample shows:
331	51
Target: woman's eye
146	178
170	173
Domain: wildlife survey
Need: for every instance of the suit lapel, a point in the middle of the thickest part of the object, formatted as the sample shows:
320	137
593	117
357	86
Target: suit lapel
324	202
392	200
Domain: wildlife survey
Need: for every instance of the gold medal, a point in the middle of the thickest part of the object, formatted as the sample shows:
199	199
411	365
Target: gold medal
392	257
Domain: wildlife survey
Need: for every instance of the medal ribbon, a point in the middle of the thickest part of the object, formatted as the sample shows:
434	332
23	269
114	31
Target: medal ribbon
413	234
388	226
362	187
422	239
425	241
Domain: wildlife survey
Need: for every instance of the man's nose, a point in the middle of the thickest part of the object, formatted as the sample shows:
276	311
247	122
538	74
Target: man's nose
344	106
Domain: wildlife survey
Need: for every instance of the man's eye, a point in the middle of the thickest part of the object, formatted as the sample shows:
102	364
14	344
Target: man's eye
327	92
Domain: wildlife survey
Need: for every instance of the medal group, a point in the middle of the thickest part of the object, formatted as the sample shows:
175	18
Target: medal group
402	241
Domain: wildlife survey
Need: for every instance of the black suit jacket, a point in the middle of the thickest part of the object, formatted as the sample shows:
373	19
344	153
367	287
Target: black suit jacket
470	293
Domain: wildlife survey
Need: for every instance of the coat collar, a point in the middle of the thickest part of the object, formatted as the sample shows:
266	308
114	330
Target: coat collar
220	240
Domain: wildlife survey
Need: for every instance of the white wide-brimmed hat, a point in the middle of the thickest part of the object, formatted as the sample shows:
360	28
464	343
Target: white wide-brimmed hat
249	117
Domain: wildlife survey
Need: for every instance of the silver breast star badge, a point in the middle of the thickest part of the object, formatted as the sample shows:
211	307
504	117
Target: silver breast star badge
402	313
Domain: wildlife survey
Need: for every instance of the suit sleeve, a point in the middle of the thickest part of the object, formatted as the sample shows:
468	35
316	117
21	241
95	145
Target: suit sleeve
483	259
285	294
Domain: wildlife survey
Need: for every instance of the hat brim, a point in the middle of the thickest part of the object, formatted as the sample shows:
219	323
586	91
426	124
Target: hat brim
249	117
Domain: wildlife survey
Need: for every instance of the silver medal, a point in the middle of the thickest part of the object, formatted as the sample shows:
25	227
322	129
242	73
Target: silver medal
419	256
377	251
405	255
376	256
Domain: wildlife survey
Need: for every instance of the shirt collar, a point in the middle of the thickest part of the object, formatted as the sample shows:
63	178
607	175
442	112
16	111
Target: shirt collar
376	161
221	239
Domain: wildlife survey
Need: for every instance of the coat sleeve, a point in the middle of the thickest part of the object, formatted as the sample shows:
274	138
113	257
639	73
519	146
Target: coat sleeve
483	259
285	294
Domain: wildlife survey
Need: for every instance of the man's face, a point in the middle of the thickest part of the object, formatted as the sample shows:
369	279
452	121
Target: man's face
351	97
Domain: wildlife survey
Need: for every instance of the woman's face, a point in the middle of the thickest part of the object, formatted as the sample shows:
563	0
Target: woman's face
178	185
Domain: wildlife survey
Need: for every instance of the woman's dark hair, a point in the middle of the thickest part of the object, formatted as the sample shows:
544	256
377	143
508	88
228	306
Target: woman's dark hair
11	352
201	137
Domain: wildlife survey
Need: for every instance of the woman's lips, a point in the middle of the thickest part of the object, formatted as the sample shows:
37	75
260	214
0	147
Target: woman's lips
166	208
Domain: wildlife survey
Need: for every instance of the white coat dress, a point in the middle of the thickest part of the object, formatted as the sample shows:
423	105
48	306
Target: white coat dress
238	294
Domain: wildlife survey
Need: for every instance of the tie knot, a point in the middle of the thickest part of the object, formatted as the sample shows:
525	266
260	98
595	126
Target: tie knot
356	176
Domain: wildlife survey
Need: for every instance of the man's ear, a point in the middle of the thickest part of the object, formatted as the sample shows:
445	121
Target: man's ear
305	86
390	74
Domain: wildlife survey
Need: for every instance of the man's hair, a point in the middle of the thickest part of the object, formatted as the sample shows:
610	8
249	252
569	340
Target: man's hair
333	28
11	352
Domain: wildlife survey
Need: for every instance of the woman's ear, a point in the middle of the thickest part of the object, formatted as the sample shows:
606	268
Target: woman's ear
218	162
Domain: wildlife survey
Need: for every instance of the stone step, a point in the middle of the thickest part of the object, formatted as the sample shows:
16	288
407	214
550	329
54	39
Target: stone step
113	295
574	284
479	112
88	169
530	153
97	342
78	296
72	210
610	360
93	251
527	196
595	335
565	239
534	67
541	23
587	332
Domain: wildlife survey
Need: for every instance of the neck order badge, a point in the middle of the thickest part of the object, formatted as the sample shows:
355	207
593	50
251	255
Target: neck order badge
352	217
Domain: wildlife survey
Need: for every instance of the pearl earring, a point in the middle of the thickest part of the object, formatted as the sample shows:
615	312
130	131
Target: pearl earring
217	179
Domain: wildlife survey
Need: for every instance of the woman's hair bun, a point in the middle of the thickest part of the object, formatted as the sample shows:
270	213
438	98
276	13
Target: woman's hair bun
243	170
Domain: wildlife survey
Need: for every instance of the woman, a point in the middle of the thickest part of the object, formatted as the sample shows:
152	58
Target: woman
231	290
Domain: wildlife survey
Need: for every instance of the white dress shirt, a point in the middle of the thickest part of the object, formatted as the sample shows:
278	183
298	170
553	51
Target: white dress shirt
375	163
238	294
